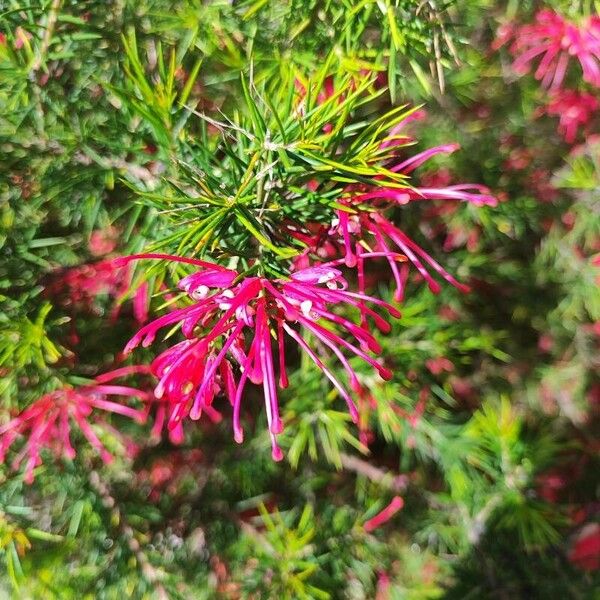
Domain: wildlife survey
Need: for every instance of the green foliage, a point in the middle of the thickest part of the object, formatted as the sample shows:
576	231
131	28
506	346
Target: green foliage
196	128
25	348
285	553
238	190
320	431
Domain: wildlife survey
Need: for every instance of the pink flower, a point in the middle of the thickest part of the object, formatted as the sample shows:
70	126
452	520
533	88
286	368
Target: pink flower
383	586
585	549
574	109
168	472
439	365
103	241
387	237
539	181
518	159
385	515
80	286
554	40
364	216
47	422
504	33
231	326
84	283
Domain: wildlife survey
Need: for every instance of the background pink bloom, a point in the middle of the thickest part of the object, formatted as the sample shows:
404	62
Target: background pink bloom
47	422
585	550
103	241
554	41
79	287
574	110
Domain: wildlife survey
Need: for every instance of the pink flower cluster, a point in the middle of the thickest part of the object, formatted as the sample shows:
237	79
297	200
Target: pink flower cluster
236	324
364	217
47	422
80	286
242	318
555	41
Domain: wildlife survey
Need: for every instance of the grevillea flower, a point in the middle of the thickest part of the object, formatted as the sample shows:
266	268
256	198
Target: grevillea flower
84	283
585	549
439	365
504	33
364	216
47	422
574	109
555	41
243	318
80	286
103	241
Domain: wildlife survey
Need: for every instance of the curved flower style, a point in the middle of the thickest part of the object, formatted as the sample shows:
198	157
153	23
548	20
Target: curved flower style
385	515
47	422
574	109
364	217
162	416
243	318
555	41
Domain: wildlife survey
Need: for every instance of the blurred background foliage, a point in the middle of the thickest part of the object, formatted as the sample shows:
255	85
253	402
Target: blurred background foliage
107	112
